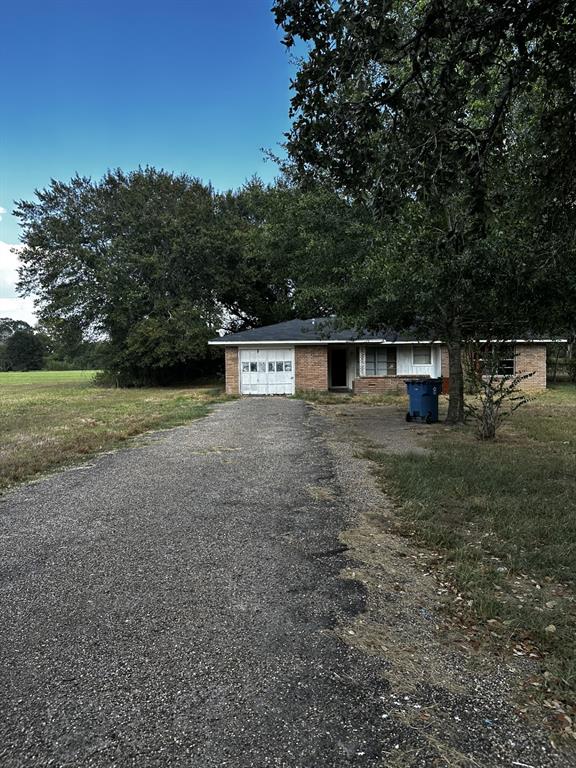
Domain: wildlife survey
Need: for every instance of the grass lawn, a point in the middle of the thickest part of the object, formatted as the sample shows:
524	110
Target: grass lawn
502	519
52	418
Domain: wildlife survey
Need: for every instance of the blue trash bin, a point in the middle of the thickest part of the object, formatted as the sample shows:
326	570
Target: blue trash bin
423	395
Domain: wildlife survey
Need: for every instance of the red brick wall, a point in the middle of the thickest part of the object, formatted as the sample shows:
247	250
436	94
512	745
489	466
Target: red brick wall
531	357
311	368
377	385
231	367
444	362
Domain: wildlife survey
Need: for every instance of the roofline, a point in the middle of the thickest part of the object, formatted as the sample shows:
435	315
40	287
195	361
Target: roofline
300	342
308	342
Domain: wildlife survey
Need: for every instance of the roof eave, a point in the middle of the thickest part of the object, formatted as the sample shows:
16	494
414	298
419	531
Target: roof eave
309	342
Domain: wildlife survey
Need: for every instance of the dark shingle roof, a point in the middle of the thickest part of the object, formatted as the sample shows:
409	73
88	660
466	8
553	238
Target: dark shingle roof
315	329
326	329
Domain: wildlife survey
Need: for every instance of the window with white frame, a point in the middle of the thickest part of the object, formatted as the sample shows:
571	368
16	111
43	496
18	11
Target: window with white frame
421	355
380	362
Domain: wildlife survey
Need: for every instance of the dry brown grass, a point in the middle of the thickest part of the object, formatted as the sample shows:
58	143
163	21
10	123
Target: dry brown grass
49	419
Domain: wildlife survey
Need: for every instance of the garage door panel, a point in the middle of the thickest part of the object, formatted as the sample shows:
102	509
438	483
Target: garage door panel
268	371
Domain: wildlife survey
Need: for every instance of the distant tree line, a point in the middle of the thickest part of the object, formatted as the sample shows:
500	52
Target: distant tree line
20	348
24	348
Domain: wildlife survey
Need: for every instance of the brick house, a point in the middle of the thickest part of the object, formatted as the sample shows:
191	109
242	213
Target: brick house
312	355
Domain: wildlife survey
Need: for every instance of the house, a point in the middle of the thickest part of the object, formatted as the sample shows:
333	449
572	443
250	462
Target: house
315	355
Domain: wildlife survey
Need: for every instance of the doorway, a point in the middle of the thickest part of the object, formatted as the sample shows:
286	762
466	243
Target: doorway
338	369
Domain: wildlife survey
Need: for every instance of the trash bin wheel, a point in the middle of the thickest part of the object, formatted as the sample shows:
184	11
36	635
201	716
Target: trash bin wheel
429	419
408	416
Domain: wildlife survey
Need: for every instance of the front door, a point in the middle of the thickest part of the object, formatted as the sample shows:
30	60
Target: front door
338	368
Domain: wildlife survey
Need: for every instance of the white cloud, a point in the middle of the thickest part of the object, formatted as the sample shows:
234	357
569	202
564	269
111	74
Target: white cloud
8	270
2	211
18	309
11	305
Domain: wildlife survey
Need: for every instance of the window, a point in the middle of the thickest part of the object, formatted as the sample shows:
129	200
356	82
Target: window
376	362
279	366
506	365
422	355
380	362
288	365
270	367
253	367
262	367
497	360
245	367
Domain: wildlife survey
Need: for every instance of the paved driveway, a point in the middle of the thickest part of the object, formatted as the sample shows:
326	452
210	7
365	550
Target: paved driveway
171	605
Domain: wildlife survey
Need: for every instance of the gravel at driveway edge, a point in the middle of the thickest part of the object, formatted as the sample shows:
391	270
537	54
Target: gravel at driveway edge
460	702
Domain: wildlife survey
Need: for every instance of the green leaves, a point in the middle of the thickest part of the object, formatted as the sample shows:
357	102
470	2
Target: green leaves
453	123
156	264
24	351
131	259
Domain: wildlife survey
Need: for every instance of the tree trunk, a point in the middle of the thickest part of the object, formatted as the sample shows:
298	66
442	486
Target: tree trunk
455	383
570	366
555	374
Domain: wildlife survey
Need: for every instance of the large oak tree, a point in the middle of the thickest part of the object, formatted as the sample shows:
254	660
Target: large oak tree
129	258
424	112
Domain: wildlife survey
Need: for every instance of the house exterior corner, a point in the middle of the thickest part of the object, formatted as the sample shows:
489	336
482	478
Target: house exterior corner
231	371
531	358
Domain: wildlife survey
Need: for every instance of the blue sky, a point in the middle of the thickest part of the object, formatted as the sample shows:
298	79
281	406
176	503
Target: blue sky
187	85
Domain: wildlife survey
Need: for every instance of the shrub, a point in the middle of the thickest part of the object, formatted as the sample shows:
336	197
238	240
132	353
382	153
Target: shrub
496	394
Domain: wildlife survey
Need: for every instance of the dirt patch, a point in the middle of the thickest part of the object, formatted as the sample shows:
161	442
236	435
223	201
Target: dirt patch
381	426
459	698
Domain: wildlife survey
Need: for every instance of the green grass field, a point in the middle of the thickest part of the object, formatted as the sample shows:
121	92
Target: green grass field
502	519
19	379
52	418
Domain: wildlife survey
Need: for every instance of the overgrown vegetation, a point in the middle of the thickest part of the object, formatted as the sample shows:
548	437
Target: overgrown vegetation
561	361
496	390
502	519
49	419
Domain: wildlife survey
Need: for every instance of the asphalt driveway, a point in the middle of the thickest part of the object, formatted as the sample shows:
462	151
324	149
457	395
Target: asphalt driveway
171	604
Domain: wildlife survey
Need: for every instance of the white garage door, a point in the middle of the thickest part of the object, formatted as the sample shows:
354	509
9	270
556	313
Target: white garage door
268	371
